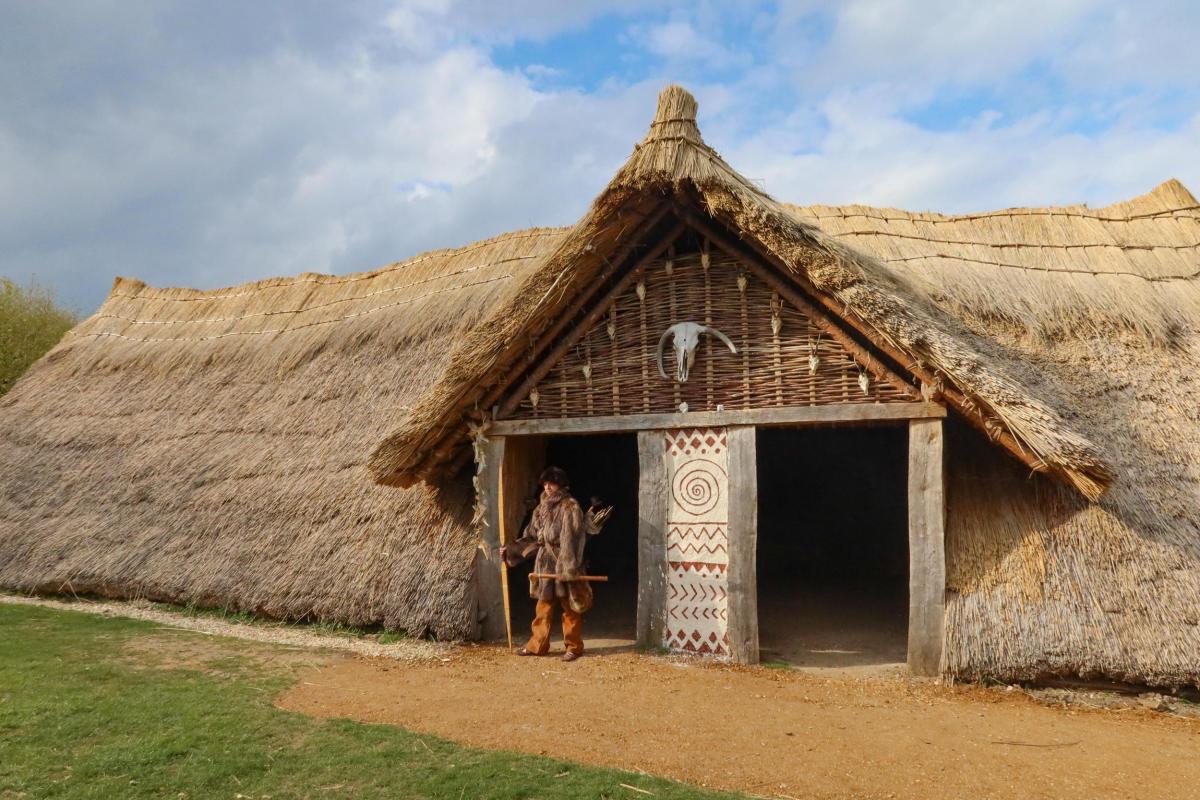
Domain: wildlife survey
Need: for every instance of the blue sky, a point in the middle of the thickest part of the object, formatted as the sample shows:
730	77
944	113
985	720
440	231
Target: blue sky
205	144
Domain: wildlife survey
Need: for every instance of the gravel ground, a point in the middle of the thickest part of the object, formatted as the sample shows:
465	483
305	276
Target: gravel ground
275	633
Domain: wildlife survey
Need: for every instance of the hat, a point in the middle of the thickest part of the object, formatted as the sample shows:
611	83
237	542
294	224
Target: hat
555	475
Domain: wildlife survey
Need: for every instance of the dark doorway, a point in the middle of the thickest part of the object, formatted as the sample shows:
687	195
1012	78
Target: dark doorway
605	467
833	546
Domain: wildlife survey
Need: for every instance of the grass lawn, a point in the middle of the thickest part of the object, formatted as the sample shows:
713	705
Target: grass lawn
85	713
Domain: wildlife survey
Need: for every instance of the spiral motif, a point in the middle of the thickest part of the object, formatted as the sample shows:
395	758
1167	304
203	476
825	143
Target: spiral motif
696	488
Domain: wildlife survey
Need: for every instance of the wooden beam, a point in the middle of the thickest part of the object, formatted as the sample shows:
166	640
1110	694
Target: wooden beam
489	595
926	546
743	546
652	539
581	329
953	396
839	413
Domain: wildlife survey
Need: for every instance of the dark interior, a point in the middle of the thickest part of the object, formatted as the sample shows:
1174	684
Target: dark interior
605	467
833	545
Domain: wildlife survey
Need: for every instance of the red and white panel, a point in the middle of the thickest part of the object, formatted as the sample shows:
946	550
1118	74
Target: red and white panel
698	540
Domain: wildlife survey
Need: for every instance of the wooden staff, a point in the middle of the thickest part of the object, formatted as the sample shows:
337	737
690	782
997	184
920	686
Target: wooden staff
504	564
590	578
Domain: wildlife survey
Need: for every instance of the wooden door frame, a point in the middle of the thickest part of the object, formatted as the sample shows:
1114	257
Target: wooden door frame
926	522
926	527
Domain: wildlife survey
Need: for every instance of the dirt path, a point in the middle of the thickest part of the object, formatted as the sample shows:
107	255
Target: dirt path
769	732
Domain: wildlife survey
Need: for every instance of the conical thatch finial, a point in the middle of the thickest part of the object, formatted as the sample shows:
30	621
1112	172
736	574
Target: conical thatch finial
675	103
676	115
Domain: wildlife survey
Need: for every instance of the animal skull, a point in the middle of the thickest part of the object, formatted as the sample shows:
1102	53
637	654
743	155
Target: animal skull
686	339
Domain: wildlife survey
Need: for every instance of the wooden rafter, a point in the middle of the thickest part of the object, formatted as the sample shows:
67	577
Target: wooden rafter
581	329
555	329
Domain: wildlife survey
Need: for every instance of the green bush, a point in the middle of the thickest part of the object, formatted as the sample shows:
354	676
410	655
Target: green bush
30	324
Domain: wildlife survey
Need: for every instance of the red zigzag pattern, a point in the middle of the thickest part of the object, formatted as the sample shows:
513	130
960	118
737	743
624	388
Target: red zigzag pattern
697	592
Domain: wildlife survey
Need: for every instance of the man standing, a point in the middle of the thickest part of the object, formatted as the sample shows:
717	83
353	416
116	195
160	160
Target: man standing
557	533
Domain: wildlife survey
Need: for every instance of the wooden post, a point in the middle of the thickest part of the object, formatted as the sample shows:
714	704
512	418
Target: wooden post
743	545
926	546
489	596
652	538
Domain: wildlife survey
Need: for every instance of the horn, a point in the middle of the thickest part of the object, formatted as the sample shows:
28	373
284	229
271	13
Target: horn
711	330
662	340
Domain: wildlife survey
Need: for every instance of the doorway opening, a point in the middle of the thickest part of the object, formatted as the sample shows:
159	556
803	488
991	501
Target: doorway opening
603	467
833	546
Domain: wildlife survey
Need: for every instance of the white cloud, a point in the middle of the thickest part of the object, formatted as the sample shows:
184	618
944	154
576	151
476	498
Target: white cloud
866	153
284	163
678	40
194	148
938	41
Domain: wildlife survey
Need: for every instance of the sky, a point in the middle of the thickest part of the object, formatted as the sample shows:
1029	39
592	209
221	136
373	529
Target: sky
208	144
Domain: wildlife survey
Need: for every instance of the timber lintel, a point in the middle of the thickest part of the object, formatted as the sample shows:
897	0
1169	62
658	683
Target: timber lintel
762	417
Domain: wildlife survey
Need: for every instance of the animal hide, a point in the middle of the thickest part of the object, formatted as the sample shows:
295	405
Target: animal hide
557	533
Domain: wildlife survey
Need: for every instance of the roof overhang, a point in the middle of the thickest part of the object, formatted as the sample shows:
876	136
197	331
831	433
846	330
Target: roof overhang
673	178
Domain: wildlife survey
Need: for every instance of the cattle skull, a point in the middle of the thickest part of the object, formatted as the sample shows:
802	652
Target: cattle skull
686	338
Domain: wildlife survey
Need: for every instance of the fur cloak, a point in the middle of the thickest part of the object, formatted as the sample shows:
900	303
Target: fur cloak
558	533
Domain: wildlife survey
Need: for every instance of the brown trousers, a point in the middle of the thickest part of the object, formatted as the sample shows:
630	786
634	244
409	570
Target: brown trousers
543	618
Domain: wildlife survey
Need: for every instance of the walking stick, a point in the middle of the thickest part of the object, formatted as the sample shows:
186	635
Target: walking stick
504	566
507	605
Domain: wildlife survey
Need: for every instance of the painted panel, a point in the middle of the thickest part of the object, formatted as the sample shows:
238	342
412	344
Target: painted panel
697	540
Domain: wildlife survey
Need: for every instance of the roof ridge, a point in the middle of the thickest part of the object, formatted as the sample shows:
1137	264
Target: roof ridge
324	279
1170	188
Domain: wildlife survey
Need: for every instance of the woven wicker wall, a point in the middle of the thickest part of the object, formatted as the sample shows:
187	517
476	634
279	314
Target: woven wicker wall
612	369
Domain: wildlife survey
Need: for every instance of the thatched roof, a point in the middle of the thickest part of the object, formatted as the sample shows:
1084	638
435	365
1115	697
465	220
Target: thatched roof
208	446
1068	269
673	164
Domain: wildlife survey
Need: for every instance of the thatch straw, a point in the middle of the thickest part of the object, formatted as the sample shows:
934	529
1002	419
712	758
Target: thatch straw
207	447
1057	271
1044	582
673	161
1103	304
